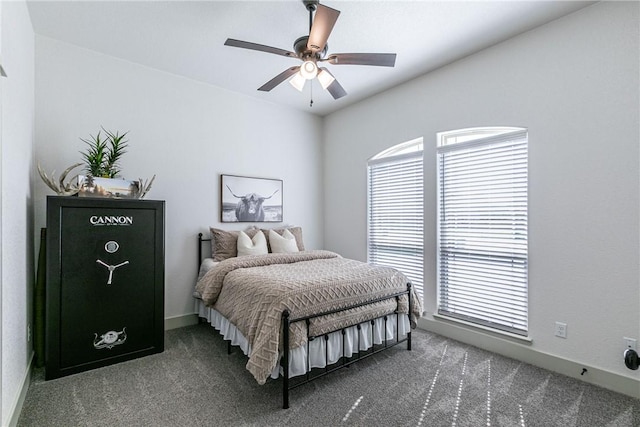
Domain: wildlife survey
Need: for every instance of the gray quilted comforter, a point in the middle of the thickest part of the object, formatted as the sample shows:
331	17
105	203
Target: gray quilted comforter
253	291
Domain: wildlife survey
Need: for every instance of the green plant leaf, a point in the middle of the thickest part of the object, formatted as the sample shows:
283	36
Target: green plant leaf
95	155
103	154
117	148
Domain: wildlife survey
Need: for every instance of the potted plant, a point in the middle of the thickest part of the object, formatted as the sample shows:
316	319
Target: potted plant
104	153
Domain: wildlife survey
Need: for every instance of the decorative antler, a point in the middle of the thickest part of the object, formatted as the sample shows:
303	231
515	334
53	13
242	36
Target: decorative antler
145	186
62	189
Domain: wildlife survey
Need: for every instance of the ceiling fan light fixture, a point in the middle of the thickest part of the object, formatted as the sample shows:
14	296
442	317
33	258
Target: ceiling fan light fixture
309	70
298	81
325	78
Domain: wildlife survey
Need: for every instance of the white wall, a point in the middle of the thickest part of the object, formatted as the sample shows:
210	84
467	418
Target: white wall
185	132
17	97
574	84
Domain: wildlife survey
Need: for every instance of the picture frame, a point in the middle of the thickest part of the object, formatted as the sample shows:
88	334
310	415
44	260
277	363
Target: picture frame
115	188
250	199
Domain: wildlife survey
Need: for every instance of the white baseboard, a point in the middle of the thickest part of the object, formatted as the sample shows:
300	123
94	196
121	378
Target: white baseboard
180	321
523	352
16	409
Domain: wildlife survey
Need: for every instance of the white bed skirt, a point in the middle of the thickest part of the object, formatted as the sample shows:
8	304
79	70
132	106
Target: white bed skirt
317	359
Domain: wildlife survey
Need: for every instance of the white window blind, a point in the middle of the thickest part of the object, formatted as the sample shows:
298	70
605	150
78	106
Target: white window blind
482	230
395	214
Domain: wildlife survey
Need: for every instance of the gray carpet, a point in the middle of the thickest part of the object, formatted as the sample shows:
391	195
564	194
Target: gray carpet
440	383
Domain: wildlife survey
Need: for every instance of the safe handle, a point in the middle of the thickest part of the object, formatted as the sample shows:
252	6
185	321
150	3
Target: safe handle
111	268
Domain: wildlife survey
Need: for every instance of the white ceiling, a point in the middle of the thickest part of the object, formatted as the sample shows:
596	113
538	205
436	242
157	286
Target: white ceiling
186	38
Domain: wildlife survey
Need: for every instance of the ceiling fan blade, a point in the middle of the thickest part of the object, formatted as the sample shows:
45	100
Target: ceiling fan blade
279	79
259	47
323	22
336	90
378	59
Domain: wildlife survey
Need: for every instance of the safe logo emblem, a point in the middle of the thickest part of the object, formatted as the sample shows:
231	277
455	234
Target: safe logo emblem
100	220
109	339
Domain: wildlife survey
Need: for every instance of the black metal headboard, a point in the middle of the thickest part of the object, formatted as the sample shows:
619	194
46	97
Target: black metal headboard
200	240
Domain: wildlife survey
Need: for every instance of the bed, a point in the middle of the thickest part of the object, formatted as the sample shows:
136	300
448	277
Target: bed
328	311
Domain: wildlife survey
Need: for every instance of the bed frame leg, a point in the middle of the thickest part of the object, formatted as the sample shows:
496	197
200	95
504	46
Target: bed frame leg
285	359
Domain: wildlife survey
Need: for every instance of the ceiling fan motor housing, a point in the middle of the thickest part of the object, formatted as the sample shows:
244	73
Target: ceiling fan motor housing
300	48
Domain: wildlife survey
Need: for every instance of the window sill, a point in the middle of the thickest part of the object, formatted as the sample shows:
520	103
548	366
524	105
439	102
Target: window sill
447	319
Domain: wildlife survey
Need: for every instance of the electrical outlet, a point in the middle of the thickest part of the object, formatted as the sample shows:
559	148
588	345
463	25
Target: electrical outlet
561	329
630	343
29	332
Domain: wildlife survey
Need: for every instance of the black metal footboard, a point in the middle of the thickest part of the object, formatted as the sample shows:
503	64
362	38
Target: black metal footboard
344	361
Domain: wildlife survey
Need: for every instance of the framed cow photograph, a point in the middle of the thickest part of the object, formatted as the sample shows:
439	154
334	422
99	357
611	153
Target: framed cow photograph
248	199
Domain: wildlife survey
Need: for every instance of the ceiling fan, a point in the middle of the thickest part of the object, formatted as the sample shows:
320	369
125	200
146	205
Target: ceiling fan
312	50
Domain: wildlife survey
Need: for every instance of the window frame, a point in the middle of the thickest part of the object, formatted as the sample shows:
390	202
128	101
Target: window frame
459	140
408	151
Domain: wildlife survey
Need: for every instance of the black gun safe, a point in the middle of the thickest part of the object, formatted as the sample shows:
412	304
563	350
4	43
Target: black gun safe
105	282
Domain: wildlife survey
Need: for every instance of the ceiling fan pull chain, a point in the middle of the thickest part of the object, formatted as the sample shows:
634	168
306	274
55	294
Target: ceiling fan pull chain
311	94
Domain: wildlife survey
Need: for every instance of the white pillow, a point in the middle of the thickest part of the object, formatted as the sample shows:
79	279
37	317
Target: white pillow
284	243
249	246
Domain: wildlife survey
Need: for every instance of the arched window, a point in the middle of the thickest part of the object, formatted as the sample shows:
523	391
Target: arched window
395	210
482	227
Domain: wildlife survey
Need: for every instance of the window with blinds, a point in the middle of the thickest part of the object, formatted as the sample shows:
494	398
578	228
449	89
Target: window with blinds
395	211
482	227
